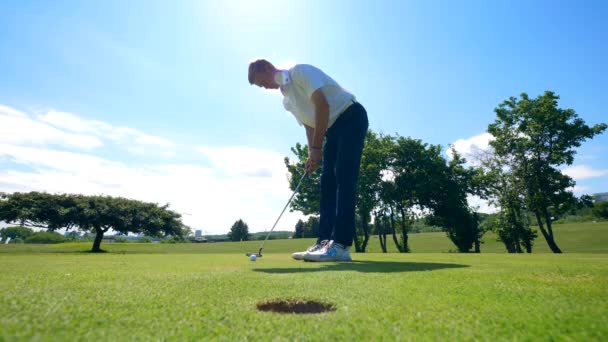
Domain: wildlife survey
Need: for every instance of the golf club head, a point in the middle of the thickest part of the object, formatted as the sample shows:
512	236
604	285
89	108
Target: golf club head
259	254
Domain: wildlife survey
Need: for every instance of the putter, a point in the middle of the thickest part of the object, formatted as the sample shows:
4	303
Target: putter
259	255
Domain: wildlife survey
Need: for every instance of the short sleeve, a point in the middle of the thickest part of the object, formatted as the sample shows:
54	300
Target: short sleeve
309	78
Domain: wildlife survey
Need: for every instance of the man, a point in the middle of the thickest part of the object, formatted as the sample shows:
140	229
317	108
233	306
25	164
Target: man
330	114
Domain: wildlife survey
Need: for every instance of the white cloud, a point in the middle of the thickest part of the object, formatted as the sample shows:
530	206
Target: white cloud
245	161
213	199
580	190
138	142
74	123
18	128
470	147
151	140
584	171
240	182
481	205
4	110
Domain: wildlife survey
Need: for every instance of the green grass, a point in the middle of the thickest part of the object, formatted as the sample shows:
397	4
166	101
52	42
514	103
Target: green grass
380	297
142	292
572	238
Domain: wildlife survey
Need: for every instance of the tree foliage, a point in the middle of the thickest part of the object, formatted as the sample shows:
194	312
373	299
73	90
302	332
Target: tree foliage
400	180
600	209
94	214
538	137
299	233
16	232
239	231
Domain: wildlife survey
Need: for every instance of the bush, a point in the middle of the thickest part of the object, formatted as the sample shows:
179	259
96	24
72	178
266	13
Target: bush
46	237
574	219
600	209
16	232
174	239
144	239
120	239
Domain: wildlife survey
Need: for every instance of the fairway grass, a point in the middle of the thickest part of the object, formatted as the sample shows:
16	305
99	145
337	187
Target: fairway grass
203	296
585	237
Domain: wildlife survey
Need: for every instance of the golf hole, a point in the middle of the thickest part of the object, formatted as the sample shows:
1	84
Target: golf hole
297	306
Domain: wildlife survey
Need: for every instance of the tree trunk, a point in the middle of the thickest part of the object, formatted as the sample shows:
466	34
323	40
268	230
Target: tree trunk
356	241
477	234
392	218
509	247
528	246
381	233
97	242
366	219
404	235
548	238
549	223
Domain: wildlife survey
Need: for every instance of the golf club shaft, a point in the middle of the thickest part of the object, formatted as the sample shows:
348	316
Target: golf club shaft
286	205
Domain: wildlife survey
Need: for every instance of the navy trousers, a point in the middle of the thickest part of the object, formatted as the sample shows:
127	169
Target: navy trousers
341	161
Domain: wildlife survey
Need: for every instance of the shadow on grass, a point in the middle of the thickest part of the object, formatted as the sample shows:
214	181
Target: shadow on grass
366	267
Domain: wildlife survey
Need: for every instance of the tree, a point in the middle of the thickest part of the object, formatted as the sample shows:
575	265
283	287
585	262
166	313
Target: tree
373	162
539	137
308	198
96	214
506	191
16	233
600	209
299	230
239	231
311	227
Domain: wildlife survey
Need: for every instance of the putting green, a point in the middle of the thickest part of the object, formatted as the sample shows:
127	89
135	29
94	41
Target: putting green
193	296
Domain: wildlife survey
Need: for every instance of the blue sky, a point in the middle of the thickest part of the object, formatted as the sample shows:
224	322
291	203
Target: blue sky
150	99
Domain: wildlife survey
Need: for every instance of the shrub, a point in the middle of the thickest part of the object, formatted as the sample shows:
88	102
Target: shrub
600	209
121	239
16	232
46	237
174	239
144	239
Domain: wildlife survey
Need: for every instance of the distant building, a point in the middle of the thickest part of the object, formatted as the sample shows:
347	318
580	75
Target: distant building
198	233
600	197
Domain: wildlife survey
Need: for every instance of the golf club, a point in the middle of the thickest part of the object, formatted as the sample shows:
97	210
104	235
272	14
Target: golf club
277	221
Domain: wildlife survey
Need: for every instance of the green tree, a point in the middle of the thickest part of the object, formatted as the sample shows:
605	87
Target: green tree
373	162
239	231
16	233
299	230
600	209
95	214
506	191
539	137
311	227
308	198
46	237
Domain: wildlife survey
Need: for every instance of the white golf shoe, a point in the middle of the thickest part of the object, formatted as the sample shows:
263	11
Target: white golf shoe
316	247
332	252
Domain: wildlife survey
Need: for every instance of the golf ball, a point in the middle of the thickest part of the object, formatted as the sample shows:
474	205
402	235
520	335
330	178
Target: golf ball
252	257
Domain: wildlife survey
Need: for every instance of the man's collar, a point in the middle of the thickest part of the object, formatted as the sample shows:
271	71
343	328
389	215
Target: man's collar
282	78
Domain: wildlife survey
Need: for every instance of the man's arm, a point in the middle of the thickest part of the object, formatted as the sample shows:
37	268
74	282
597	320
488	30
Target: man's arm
309	134
321	118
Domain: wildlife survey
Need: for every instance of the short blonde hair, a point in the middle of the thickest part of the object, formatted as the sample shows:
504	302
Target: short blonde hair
257	66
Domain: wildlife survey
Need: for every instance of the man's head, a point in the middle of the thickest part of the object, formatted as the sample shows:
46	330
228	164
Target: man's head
261	73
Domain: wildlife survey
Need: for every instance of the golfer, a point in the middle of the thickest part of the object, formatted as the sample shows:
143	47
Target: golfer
336	125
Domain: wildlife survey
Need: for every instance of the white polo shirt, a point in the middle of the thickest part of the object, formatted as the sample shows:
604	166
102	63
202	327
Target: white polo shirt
298	84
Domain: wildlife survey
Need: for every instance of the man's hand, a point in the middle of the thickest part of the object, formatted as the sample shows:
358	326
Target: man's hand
314	159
